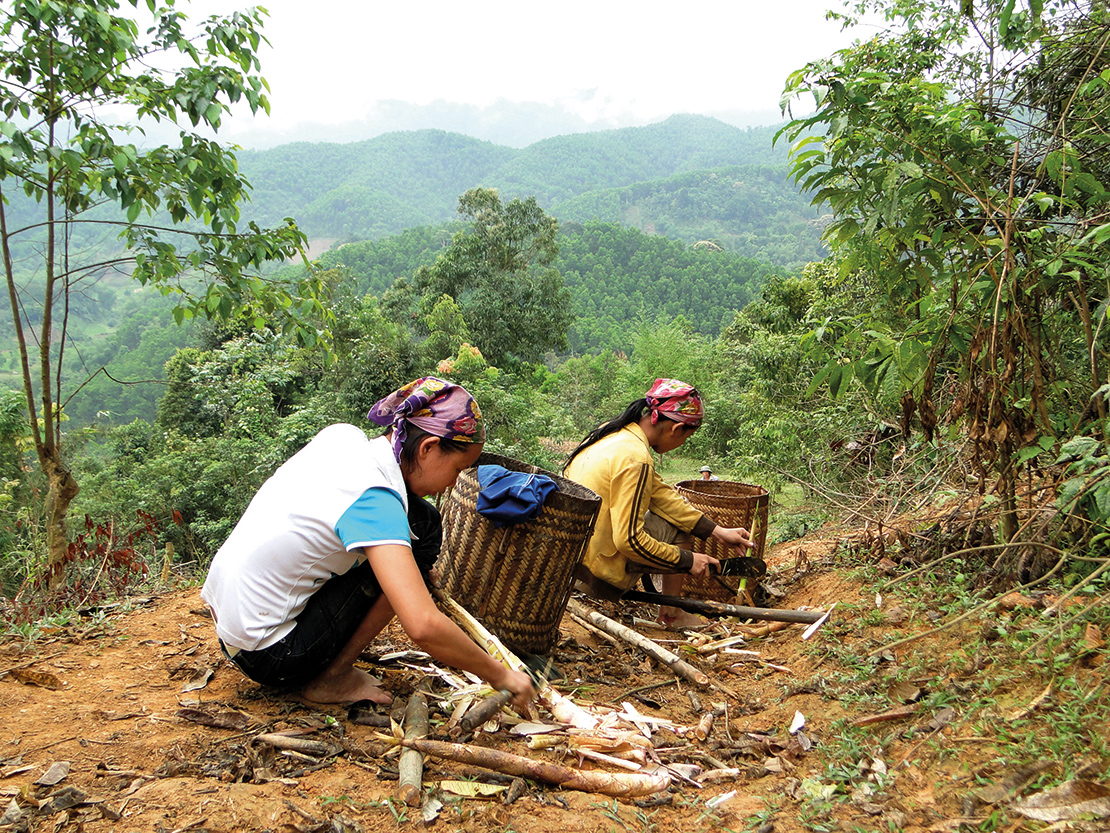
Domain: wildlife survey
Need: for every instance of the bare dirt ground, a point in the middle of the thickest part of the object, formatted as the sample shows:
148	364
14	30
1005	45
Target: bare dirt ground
104	728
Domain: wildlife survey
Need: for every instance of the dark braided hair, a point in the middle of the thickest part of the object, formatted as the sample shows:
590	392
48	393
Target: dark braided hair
629	415
414	435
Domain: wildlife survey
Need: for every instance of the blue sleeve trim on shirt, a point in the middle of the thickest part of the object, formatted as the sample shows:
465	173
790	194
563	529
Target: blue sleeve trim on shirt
377	517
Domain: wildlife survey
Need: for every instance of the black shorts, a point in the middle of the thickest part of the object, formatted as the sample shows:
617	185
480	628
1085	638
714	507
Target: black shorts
335	611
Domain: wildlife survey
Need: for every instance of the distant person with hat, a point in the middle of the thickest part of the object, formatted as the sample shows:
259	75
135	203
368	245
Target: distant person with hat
644	526
707	474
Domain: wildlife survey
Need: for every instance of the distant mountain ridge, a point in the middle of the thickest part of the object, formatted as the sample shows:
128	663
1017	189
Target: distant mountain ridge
397	181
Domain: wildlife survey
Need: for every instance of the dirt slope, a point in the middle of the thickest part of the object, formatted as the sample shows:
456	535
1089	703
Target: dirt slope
136	764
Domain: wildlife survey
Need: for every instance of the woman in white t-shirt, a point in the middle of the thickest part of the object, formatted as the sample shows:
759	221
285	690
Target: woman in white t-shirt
339	541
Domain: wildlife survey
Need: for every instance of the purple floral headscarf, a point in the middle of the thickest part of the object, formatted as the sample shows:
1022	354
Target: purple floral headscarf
441	408
675	400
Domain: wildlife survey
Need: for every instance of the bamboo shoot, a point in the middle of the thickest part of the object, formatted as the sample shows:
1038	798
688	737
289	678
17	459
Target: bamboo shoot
410	767
617	784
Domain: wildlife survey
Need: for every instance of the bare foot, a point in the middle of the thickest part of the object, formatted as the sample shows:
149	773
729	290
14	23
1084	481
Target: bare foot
346	686
676	619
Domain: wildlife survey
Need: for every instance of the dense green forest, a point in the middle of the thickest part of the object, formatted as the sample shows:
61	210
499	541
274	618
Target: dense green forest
616	276
752	211
394	199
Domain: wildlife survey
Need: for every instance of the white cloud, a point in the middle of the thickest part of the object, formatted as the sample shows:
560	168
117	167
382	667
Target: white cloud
601	61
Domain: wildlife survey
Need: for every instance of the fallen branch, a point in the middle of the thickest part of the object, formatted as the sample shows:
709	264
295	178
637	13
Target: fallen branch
618	784
29	663
640	689
769	614
894	714
302	745
598	632
652	649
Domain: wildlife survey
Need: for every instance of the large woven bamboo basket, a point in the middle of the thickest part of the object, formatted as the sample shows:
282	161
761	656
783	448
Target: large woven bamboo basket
516	579
729	504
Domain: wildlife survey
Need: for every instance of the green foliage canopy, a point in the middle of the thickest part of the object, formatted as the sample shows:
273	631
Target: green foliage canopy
62	67
972	190
499	272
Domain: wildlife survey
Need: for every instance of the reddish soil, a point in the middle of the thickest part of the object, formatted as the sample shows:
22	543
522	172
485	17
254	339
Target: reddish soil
137	761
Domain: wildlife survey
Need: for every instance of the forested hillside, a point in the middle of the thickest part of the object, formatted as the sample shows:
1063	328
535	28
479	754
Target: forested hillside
616	275
753	210
624	197
690	178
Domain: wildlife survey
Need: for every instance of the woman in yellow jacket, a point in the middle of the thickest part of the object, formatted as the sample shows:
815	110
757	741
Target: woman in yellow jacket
644	525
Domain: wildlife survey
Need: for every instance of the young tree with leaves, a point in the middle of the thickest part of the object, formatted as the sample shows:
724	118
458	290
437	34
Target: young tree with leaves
68	173
963	154
499	273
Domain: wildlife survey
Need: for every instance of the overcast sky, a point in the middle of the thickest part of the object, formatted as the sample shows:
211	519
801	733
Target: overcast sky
600	63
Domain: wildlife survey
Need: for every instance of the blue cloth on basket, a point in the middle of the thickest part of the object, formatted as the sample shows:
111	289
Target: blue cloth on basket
508	497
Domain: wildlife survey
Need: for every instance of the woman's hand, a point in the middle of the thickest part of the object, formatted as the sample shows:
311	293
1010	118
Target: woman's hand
431	630
735	536
524	692
702	563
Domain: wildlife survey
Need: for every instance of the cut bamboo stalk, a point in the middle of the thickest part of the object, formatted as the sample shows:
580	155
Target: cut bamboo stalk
410	767
653	649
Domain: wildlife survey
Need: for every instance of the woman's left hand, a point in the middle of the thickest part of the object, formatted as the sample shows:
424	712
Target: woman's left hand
734	536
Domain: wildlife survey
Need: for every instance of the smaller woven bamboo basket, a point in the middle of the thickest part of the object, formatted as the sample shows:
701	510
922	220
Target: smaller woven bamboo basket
516	579
729	504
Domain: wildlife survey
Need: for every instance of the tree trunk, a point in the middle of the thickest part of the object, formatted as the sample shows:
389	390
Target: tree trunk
61	490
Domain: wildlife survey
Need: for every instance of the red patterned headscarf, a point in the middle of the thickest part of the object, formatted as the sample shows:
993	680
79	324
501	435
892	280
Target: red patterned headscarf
441	408
675	400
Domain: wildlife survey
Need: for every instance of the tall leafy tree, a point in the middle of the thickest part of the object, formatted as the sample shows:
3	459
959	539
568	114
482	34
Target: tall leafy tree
499	272
68	174
963	154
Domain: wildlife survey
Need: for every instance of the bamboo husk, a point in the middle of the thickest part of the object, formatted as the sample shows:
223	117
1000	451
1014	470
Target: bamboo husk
626	745
609	739
727	642
653	649
617	784
592	754
410	767
723	774
545	741
705	726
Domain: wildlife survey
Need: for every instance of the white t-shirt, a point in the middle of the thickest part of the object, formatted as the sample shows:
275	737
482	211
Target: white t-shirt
308	522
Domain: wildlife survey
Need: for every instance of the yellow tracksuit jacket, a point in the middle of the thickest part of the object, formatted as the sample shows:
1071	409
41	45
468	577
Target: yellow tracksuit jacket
620	469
